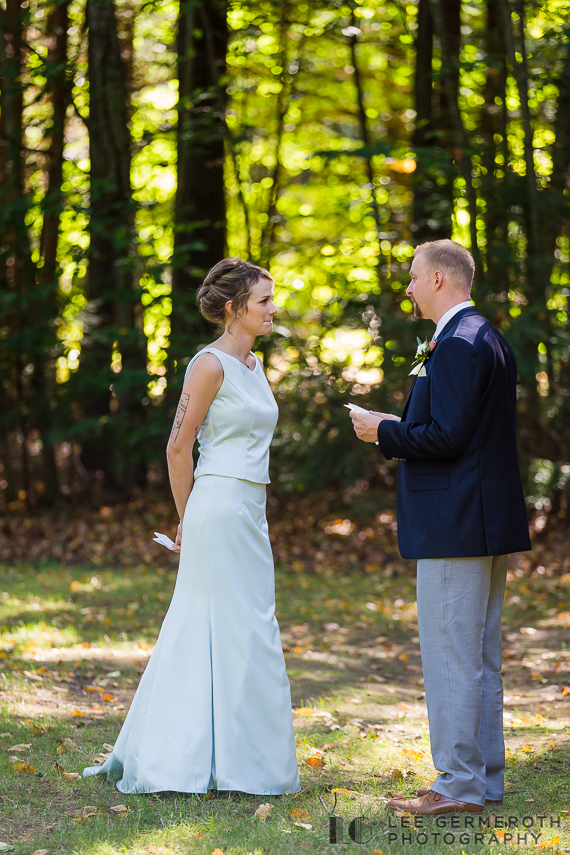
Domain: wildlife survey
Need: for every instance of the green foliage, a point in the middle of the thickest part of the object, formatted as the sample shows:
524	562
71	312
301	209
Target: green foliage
322	180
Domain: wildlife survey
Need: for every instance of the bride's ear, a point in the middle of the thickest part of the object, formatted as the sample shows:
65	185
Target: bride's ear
229	307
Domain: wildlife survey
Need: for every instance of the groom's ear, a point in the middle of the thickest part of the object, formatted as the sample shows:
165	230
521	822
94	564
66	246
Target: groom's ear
438	277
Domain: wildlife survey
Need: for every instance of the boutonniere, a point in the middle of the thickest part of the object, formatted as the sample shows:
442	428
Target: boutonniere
423	353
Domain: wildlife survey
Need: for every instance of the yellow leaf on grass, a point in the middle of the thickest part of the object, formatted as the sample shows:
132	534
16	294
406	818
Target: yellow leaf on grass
552	745
500	834
263	811
85	644
344	792
377	852
77	713
527	749
60	749
305	711
315	763
396	774
75	585
119	809
108	698
22	746
565	691
546	843
217	852
297	813
92	689
303	825
72	776
40	852
24	767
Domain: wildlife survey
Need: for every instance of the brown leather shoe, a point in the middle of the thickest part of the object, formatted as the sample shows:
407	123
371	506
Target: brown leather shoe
425	790
433	803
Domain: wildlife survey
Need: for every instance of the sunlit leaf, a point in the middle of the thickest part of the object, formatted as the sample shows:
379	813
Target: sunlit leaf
298	814
24	767
316	763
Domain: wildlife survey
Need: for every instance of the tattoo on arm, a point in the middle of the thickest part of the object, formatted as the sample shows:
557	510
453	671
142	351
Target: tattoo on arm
180	413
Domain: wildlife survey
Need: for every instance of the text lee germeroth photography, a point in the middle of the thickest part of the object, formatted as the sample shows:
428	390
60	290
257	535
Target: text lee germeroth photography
284	427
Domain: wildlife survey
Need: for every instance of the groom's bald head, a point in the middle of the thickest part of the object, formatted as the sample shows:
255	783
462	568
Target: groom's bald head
453	260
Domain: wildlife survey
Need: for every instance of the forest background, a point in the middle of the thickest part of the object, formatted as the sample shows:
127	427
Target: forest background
143	140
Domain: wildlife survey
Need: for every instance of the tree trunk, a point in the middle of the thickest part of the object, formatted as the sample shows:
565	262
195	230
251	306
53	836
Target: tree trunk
111	265
200	210
58	89
445	17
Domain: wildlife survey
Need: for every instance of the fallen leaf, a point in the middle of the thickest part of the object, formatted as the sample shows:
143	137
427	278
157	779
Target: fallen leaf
108	747
72	776
297	813
263	811
60	749
377	852
396	774
40	852
22	746
303	825
24	767
92	688
316	763
305	711
565	691
89	810
344	792
217	852
108	698
119	809
527	749
77	713
85	644
546	843
500	834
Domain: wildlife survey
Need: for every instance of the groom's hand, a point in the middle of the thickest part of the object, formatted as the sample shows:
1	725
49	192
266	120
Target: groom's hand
366	425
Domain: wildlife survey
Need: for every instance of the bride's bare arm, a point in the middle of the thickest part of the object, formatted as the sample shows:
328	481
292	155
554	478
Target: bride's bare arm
201	386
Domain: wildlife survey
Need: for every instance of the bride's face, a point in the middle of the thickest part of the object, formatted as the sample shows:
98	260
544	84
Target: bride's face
260	309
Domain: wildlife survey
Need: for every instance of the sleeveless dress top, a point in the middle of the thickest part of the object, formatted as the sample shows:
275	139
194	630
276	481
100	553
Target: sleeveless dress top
236	434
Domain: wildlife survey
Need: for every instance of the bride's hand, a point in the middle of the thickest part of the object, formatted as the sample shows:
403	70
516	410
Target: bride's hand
178	541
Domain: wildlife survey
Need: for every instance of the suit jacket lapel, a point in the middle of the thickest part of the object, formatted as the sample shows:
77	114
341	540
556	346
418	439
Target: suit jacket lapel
452	322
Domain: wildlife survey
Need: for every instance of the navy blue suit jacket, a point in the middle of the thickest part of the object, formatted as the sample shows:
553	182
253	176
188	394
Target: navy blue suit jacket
459	484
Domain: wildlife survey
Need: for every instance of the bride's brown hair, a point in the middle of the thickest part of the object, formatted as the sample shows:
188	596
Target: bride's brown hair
230	280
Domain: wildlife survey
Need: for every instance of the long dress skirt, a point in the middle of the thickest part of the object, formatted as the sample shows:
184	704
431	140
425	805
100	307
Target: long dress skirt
213	708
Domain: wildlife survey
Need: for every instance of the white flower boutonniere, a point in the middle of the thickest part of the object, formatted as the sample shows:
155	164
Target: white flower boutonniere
423	353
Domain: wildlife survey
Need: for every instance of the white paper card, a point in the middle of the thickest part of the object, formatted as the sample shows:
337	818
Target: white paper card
164	540
356	407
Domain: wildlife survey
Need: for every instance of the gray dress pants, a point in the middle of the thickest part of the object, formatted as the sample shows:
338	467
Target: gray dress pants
459	616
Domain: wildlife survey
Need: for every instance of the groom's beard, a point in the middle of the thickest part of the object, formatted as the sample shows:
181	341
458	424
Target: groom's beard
417	311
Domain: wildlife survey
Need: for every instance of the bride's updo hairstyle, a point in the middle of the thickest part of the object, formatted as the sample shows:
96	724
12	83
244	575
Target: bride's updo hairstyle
230	280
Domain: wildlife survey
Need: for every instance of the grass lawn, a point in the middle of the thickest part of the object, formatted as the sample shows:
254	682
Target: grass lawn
75	640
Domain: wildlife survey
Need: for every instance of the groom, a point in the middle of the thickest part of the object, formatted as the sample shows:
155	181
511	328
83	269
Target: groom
461	511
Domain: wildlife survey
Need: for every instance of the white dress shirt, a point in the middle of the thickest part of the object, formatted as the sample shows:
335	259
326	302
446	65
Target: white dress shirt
466	304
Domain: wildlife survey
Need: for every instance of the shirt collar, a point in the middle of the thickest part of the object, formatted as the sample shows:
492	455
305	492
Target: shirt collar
467	304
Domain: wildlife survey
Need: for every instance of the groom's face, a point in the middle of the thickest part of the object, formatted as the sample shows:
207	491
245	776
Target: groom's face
420	287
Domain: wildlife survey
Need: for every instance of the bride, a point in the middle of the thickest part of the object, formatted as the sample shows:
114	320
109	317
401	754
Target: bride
213	708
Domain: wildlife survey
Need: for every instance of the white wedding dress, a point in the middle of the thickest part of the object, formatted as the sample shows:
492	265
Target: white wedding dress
213	708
